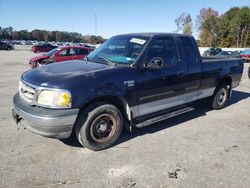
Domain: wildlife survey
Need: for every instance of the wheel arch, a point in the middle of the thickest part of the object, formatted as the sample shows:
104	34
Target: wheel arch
228	81
117	101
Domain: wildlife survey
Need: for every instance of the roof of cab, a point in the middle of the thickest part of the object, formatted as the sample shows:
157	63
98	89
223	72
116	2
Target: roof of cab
153	34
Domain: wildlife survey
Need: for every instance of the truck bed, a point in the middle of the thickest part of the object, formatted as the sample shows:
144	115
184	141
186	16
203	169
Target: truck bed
215	68
216	59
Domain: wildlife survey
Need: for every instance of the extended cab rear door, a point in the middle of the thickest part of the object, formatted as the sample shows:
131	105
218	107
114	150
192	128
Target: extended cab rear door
162	88
191	57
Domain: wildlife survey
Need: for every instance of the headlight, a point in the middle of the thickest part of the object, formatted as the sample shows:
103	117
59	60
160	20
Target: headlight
55	98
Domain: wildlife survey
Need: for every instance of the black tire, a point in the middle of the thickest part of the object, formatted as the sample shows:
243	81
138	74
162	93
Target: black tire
37	51
9	48
220	96
99	126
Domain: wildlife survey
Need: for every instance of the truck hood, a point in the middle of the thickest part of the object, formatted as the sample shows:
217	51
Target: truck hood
62	74
39	58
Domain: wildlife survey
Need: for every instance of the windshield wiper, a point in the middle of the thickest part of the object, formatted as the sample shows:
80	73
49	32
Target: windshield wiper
107	60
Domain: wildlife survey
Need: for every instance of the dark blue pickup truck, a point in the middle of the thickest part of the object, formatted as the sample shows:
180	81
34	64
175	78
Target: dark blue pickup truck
132	80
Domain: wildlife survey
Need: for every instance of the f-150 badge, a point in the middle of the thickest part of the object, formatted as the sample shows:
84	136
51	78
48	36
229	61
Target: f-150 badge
130	83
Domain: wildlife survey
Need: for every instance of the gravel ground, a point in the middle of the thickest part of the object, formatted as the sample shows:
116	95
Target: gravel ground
202	148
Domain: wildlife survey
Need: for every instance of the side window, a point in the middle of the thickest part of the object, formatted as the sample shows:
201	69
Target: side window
72	52
63	53
165	48
189	50
82	51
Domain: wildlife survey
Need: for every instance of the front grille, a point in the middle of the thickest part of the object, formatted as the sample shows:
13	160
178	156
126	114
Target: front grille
27	92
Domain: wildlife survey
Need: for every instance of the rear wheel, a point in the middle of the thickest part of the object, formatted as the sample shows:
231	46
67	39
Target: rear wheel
99	127
220	96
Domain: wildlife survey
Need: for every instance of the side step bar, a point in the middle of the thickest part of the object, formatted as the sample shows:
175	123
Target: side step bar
164	117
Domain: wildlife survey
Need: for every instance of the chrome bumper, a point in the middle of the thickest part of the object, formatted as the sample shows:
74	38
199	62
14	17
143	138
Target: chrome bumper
51	123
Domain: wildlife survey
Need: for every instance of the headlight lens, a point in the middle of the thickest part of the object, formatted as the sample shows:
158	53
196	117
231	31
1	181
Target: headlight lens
55	98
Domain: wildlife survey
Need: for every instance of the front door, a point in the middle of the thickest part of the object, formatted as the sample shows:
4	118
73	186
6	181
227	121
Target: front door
66	54
162	88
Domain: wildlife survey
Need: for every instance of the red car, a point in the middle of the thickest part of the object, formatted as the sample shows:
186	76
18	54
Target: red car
42	48
60	54
245	54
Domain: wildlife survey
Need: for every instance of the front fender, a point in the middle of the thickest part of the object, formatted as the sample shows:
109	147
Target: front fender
104	90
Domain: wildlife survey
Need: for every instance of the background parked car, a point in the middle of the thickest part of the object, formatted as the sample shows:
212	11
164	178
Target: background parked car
228	54
43	47
212	51
60	54
245	54
90	46
5	46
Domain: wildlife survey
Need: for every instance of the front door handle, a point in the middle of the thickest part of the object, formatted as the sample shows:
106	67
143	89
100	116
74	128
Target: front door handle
180	74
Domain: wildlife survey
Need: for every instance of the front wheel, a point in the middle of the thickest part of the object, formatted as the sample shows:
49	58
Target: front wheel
220	97
99	127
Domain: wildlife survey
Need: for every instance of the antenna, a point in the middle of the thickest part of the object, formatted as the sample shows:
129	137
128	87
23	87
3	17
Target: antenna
95	21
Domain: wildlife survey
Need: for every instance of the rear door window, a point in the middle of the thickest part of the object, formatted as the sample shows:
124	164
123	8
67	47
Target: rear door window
189	50
82	51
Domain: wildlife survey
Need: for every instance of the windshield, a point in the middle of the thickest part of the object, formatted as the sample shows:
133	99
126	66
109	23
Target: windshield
52	52
119	49
246	51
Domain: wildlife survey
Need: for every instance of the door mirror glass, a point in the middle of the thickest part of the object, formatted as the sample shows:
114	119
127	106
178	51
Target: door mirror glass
154	63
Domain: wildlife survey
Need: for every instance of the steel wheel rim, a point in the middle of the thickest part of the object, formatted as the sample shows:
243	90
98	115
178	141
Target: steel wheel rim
222	96
103	128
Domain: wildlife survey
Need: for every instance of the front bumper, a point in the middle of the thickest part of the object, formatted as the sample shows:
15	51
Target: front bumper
51	123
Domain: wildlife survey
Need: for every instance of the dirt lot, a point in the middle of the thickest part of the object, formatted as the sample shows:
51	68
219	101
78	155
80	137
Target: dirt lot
205	148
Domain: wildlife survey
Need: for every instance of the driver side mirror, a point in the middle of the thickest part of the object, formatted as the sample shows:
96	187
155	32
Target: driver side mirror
154	64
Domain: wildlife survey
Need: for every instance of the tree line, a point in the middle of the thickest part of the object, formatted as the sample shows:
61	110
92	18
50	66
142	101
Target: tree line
43	35
231	29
